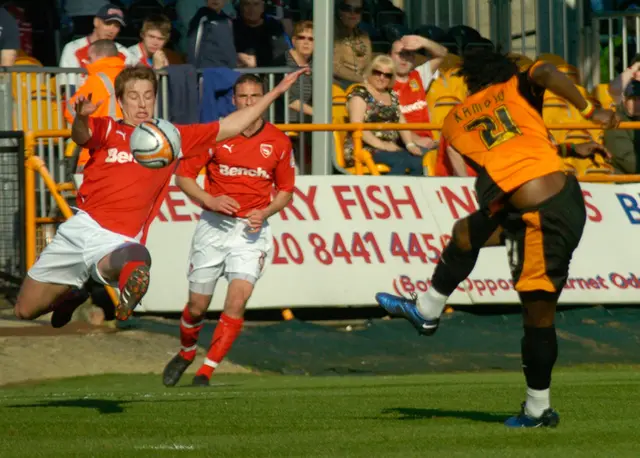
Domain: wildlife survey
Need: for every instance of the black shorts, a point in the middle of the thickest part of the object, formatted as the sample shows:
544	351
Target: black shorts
541	240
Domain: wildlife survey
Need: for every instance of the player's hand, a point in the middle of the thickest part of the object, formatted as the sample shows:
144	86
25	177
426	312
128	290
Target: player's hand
412	42
223	204
390	146
290	79
84	106
256	218
590	149
415	150
607	118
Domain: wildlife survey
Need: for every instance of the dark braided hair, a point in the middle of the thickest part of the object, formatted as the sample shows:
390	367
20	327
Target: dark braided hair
482	67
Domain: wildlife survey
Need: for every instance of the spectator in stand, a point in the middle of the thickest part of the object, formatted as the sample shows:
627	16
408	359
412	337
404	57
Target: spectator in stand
9	39
412	82
352	46
259	39
211	37
155	33
81	13
106	26
374	101
299	56
624	144
618	85
105	63
186	10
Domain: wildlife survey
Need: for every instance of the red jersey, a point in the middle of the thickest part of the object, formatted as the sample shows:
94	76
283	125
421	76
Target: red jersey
117	192
246	168
413	101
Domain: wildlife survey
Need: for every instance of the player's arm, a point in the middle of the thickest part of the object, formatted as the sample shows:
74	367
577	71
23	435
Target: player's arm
238	121
458	165
284	181
81	128
549	77
188	169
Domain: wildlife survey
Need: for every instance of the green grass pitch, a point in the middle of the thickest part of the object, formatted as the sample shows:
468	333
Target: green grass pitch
448	415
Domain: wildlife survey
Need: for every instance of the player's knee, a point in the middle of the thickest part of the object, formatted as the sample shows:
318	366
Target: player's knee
21	312
460	235
198	306
539	308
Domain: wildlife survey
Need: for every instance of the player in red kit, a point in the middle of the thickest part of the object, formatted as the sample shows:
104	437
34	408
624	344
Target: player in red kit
233	237
117	202
413	82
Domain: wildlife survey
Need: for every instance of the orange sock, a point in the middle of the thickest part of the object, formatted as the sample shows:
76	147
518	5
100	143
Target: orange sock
189	331
225	334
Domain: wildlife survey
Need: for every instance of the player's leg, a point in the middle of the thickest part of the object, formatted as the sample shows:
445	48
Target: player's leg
128	266
229	325
541	245
456	263
243	268
37	298
191	321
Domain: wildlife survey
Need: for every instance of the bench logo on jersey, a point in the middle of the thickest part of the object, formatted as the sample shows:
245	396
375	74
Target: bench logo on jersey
242	171
266	149
120	157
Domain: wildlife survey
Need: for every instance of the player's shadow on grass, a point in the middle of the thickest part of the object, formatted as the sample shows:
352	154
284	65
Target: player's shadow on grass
408	413
104	406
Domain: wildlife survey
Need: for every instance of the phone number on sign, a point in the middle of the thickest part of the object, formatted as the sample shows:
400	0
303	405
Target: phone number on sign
423	248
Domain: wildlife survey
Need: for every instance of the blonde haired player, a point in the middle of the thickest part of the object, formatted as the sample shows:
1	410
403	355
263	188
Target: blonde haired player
117	201
233	237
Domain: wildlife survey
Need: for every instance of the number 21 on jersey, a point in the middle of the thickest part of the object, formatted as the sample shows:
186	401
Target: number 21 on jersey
494	129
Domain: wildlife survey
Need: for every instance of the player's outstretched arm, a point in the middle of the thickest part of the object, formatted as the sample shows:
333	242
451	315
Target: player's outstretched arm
549	77
80	131
240	120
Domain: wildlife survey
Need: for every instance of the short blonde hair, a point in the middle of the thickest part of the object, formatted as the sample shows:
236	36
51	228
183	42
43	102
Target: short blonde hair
381	59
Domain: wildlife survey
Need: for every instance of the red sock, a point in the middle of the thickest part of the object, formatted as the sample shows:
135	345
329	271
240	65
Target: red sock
223	337
126	272
189	331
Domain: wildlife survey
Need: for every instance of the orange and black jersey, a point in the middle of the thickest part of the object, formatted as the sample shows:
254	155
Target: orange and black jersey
500	133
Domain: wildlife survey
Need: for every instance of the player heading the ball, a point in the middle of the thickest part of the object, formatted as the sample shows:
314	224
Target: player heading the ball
117	201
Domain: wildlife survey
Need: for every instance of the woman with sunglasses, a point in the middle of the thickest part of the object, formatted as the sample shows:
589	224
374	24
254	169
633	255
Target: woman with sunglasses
351	44
374	101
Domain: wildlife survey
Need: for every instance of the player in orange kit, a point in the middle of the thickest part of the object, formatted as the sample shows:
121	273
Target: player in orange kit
233	237
117	201
526	202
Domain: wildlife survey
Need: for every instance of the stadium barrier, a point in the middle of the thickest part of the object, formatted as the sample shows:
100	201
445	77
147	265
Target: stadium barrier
12	209
379	246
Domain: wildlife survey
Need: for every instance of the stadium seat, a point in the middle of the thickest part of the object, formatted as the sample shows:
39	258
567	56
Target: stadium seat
429	162
451	61
586	166
31	90
522	61
601	94
365	163
552	59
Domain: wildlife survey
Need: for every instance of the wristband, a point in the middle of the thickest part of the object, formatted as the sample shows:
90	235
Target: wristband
587	113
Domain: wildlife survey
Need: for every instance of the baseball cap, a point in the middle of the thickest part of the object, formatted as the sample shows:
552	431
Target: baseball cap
111	12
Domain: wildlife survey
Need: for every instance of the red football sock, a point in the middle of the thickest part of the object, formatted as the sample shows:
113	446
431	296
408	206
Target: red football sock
223	337
189	331
126	272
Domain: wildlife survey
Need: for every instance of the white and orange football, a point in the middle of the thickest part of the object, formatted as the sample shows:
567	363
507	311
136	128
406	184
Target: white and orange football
155	143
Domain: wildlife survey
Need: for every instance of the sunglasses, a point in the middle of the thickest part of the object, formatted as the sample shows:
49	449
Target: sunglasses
351	9
304	38
380	73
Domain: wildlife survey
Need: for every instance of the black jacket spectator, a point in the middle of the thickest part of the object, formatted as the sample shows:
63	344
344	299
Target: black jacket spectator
211	40
9	38
266	41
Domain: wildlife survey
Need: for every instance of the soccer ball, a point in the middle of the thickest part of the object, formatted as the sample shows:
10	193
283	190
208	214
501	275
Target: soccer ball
155	143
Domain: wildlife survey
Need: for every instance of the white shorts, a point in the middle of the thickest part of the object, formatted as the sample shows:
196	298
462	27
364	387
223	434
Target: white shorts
223	245
73	254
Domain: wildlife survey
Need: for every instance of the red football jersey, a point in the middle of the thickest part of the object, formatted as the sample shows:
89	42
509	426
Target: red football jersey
413	101
246	168
120	194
